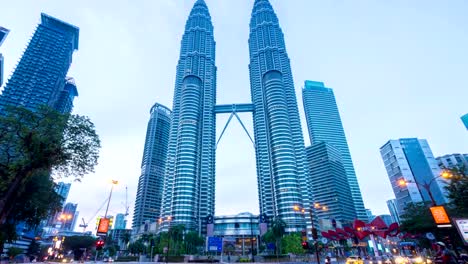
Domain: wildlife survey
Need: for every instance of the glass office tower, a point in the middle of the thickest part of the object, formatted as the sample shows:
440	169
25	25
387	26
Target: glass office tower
280	152
40	76
3	34
330	183
324	124
189	186
411	159
153	164
465	120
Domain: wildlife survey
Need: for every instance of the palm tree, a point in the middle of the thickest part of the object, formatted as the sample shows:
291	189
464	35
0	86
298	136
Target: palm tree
278	227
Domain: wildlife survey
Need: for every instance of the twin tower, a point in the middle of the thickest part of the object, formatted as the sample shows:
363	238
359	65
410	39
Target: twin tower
188	190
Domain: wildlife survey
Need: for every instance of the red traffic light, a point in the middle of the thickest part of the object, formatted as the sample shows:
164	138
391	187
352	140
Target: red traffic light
99	244
305	245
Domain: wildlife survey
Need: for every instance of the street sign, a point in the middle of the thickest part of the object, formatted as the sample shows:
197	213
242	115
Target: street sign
430	236
214	244
440	215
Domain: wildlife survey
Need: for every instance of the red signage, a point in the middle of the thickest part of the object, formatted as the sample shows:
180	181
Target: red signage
103	226
440	215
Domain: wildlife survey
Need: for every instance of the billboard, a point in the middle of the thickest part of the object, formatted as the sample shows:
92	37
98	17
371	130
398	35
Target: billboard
103	226
440	215
462	227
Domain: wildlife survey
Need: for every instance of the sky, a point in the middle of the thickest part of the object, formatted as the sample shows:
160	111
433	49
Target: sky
398	69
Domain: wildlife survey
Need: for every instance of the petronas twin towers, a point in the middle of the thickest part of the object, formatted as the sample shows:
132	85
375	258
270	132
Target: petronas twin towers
189	180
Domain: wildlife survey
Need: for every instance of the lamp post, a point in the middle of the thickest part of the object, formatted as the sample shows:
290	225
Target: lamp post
64	218
426	185
114	182
314	230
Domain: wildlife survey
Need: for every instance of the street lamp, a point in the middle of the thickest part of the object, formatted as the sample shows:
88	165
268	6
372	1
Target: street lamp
114	182
314	230
64	218
426	185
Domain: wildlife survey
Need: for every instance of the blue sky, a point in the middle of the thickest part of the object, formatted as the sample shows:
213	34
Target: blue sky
398	69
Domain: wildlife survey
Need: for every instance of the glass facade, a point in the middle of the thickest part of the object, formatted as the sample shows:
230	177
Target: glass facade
324	124
40	76
188	195
330	183
150	183
465	120
3	34
283	181
411	159
392	207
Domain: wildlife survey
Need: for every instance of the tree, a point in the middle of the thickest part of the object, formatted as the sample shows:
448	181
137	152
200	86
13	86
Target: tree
292	244
192	242
34	249
417	219
34	144
77	243
458	192
136	247
278	228
14	251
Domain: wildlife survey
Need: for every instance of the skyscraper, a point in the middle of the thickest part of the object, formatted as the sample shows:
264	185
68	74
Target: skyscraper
120	222
465	120
324	124
40	76
70	215
330	183
63	189
451	161
189	180
392	207
411	159
150	184
280	153
3	33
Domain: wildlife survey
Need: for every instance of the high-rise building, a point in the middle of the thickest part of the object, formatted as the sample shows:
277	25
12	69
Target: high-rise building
63	189
329	182
283	180
370	215
324	124
3	33
64	103
189	185
465	120
150	183
411	159
392	207
388	220
69	216
120	222
451	161
40	76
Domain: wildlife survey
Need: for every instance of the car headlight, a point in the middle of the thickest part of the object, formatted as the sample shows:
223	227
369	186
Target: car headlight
400	260
379	262
418	260
428	261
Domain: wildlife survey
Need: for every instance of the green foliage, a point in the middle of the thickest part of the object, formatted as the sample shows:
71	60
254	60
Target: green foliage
192	242
458	192
417	219
292	244
136	247
76	243
14	251
32	146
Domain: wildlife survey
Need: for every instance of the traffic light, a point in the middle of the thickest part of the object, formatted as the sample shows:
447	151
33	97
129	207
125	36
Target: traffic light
305	245
314	233
99	244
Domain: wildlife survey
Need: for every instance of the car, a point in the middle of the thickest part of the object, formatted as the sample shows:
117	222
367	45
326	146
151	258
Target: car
108	259
354	260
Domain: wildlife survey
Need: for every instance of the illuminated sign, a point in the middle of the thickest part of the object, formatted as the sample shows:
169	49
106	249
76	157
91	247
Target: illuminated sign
103	226
440	215
462	227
